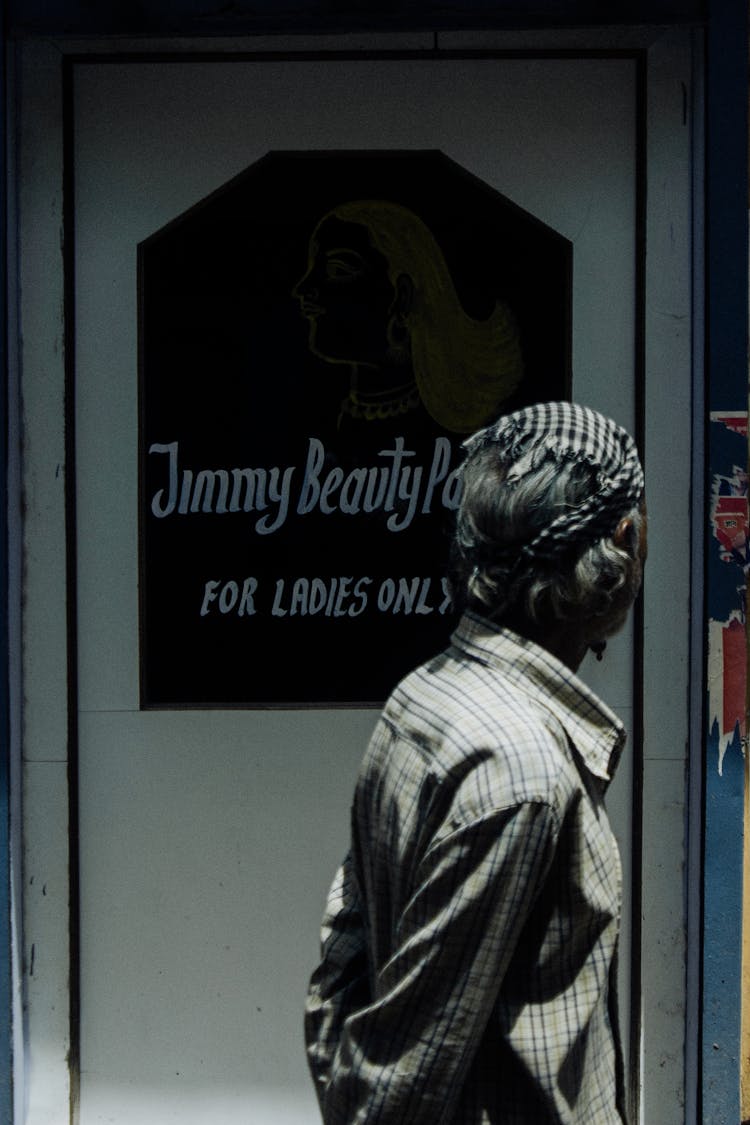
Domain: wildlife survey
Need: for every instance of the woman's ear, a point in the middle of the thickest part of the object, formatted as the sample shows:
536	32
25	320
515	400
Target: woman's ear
626	536
632	535
404	295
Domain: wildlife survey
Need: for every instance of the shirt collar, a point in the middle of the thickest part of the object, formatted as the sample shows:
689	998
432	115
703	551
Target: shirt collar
596	732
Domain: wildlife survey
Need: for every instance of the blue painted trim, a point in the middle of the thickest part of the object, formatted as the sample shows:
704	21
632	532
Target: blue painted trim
726	369
6	971
722	963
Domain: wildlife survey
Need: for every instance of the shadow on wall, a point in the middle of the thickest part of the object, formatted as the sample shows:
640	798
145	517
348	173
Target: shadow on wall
192	1103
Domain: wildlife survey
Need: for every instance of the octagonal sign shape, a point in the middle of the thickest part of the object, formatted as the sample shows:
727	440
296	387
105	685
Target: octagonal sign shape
316	340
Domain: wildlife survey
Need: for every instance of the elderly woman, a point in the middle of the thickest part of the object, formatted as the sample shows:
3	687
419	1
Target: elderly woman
470	936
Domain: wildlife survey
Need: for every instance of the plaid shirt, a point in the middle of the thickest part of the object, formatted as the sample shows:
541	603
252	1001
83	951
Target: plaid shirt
470	936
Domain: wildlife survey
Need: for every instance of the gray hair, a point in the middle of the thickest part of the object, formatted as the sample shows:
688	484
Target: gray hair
493	571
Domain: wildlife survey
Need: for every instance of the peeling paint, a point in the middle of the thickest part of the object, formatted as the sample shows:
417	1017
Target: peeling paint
727	642
727	669
733	420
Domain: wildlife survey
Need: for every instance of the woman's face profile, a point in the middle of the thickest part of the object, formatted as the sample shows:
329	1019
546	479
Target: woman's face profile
346	295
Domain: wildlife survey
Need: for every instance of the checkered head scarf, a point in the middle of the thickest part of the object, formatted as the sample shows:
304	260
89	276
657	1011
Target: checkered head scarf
563	432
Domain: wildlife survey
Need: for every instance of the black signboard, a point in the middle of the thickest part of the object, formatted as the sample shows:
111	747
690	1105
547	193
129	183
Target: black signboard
316	339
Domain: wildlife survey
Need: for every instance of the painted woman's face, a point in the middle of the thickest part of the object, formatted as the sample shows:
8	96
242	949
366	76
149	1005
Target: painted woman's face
346	295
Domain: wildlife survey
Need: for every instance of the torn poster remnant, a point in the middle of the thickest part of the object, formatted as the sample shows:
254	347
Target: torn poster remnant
727	641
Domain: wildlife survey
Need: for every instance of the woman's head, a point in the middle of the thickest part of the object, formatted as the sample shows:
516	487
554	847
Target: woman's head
551	527
464	368
346	294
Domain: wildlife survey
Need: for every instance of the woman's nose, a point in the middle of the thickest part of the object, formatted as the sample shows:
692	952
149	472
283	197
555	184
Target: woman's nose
304	288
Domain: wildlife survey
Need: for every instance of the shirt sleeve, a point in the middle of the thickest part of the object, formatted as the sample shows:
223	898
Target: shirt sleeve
339	985
403	1058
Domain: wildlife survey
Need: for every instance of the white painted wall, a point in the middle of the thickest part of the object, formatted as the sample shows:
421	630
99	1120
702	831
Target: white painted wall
208	839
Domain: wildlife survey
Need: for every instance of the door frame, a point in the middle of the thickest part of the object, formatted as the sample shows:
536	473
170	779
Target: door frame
720	258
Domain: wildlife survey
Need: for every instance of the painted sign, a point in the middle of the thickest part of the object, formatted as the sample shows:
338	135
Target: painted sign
316	340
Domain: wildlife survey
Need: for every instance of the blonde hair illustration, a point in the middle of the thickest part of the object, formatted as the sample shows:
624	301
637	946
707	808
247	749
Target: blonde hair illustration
464	368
